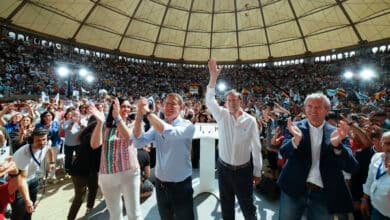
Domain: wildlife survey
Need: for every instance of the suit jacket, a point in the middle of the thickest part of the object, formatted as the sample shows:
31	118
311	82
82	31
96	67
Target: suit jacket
293	176
359	178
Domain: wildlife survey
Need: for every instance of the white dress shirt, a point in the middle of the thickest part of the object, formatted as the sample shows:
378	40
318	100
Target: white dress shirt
378	187
316	141
238	138
316	134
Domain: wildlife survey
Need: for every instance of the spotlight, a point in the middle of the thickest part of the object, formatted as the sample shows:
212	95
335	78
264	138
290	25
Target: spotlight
221	86
348	75
89	79
63	71
83	72
367	74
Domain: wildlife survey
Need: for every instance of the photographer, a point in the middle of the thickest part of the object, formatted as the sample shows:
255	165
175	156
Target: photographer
28	159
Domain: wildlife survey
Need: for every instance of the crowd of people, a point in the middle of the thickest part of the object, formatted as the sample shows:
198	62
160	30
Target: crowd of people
328	153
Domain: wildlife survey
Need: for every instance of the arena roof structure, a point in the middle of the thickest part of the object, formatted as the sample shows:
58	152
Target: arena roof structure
194	30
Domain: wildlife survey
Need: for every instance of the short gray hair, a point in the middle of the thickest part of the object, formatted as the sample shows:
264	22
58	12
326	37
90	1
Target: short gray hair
318	95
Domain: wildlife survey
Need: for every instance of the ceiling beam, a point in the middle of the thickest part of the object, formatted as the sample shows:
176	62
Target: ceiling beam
237	35
299	26
161	26
128	24
186	33
341	6
84	20
212	29
265	28
16	10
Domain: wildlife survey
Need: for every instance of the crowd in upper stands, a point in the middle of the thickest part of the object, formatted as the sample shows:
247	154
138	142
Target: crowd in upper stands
270	93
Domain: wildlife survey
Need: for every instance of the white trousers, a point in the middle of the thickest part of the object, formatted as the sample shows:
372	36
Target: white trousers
126	183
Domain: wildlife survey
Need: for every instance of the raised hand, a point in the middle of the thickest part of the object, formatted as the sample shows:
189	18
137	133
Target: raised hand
340	133
142	106
115	108
295	131
98	114
214	70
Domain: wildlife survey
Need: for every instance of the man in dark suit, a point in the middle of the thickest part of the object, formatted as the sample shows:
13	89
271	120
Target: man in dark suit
359	178
312	178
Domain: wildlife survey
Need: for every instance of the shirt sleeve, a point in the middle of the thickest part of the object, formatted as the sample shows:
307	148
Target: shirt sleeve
371	175
183	130
21	160
212	103
256	151
144	139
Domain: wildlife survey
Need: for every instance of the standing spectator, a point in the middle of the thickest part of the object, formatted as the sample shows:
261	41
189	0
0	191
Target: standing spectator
144	162
84	171
118	160
239	139
72	129
53	127
312	178
377	187
172	139
359	178
28	159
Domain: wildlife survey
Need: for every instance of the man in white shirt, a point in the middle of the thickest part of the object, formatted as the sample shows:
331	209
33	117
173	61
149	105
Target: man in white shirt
377	186
238	141
29	159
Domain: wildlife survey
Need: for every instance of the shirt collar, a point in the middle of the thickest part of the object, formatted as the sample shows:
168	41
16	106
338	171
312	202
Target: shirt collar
316	128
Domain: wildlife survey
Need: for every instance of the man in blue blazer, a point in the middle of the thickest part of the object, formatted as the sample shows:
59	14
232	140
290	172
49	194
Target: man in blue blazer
312	178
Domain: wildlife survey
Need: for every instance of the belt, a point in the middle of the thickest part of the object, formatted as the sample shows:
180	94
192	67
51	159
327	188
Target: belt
170	184
313	187
232	167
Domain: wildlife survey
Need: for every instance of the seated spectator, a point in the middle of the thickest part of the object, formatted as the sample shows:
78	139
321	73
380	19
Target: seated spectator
8	189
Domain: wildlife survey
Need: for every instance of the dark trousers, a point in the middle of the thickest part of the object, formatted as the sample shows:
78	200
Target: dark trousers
174	200
237	183
18	206
69	150
81	183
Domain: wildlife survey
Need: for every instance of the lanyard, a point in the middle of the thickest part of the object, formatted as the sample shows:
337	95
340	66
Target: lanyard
379	174
33	156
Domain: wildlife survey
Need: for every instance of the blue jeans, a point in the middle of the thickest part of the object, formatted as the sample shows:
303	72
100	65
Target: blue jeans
174	200
376	215
314	203
236	183
18	206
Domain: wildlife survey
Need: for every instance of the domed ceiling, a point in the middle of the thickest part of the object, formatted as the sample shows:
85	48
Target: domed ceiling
195	30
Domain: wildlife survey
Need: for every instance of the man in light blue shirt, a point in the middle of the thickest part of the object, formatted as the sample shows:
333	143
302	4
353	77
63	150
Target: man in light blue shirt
172	139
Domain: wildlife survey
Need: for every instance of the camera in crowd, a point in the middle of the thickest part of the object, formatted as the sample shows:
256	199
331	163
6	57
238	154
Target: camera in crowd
282	120
339	112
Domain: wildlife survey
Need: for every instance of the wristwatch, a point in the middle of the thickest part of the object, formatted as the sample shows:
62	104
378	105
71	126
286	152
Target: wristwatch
117	119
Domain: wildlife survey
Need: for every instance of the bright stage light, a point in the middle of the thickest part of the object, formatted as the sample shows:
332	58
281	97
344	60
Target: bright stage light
90	79
83	72
348	75
367	74
221	86
63	71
